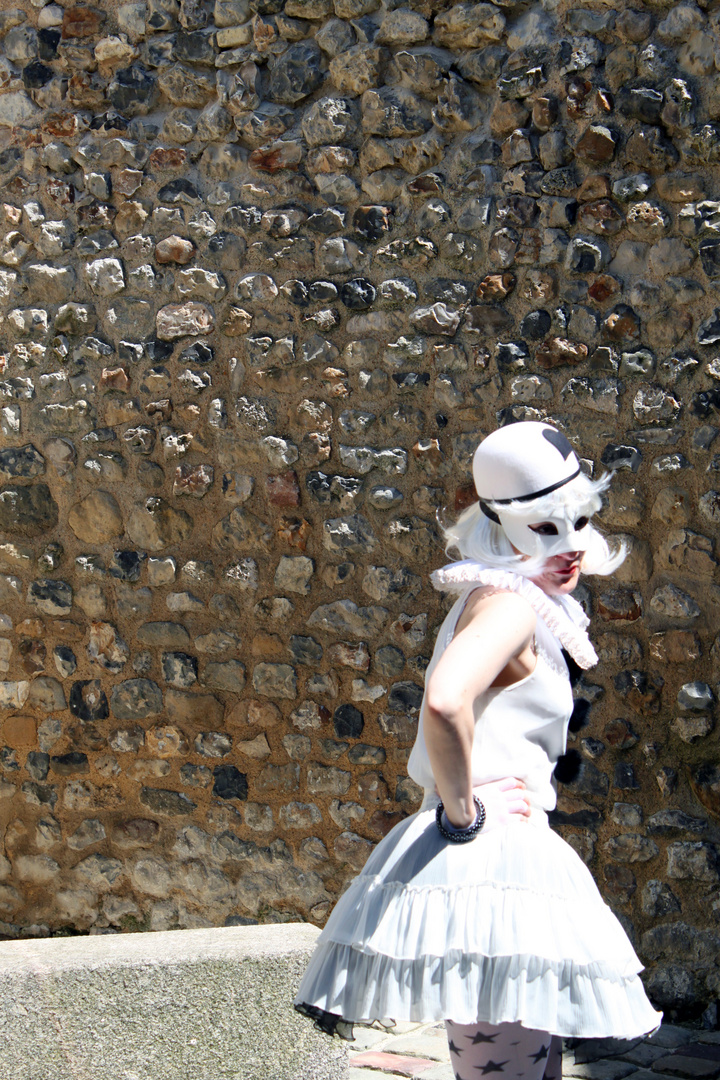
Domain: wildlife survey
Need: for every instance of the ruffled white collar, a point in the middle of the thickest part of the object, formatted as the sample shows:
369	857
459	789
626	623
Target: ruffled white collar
562	615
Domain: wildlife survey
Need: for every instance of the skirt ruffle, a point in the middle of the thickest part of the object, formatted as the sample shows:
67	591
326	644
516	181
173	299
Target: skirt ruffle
510	927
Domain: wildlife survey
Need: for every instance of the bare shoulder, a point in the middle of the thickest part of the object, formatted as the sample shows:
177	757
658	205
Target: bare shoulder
500	606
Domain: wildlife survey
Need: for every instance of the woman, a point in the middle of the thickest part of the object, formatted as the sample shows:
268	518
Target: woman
473	910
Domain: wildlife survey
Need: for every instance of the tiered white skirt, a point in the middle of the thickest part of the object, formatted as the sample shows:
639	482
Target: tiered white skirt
509	927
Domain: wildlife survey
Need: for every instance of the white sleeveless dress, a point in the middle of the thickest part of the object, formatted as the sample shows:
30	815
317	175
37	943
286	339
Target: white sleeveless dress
508	927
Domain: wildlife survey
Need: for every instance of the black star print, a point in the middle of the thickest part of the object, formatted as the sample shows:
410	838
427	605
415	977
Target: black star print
541	1054
492	1066
453	1048
478	1037
458	1076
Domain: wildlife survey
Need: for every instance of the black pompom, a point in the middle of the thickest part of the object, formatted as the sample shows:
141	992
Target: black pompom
574	670
568	767
578	717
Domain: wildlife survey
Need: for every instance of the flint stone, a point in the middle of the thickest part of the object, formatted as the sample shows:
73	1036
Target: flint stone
50	596
329	121
275	680
710	257
631	848
46	694
393	112
157	525
179	669
693	860
296	73
183	320
467	26
88	701
225	675
357	70
136	699
97	518
28	511
672	602
343	618
168	803
21	461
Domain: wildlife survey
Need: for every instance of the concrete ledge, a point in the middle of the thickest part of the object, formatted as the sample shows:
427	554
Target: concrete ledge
178	1005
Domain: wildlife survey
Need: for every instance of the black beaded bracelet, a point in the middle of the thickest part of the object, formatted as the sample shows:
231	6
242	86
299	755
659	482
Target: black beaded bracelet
461	836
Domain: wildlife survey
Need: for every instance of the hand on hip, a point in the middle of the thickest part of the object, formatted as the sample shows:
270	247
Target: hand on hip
504	800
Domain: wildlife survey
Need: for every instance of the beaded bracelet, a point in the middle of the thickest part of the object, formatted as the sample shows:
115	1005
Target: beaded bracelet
461	836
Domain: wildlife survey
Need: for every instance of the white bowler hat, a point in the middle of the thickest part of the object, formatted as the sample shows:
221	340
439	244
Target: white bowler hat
523	461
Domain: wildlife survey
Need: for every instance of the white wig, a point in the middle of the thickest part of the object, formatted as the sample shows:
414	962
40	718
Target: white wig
476	536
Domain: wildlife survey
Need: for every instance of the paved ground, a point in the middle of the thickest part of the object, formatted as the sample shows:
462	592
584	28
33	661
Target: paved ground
420	1050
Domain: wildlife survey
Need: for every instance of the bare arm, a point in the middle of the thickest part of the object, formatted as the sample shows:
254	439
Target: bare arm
492	630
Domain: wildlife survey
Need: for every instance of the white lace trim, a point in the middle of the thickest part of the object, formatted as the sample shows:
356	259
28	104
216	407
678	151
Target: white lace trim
564	617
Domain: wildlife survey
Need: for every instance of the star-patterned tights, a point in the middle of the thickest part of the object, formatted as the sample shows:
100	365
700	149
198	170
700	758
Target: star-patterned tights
518	1053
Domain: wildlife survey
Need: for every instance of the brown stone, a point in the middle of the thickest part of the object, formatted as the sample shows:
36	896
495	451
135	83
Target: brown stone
556	351
268	646
705	785
595	186
675	647
79	22
162	407
597	144
622	324
156	525
19	731
63	125
278	155
619	734
60	192
193	480
128	181
295	532
33	653
507	116
528	250
428	453
236	322
496	286
263	714
603	217
465	496
647	148
97	518
30	628
544	113
603	288
167	157
114	379
353	656
264	33
538	285
283	489
174	249
620	605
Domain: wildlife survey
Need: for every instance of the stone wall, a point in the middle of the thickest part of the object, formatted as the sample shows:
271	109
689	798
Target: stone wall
268	270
